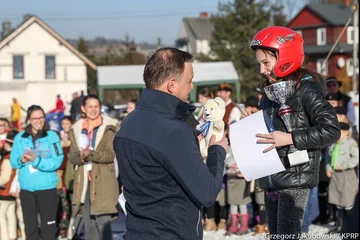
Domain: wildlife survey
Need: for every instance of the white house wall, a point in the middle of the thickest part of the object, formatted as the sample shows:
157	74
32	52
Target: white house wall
35	43
202	47
39	94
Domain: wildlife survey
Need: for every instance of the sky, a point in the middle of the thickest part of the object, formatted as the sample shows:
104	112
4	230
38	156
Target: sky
142	20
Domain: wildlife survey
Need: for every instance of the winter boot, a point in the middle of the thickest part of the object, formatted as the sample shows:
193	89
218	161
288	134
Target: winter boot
259	229
332	213
222	225
339	222
210	225
244	221
234	224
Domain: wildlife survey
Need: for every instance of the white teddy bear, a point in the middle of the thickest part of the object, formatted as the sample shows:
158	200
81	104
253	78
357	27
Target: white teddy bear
214	111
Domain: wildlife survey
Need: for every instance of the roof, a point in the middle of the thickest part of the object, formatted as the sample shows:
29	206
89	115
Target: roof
35	19
133	74
325	49
333	14
201	28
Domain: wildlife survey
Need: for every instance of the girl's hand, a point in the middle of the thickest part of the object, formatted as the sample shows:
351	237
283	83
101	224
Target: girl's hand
329	173
276	138
239	175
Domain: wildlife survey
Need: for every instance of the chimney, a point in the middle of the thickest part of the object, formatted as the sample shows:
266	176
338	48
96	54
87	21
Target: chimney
204	15
6	29
27	17
347	3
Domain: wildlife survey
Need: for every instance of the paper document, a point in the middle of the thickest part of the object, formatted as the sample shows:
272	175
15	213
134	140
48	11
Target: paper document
249	156
122	202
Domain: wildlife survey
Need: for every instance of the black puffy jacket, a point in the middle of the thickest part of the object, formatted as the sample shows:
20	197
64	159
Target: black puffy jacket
316	126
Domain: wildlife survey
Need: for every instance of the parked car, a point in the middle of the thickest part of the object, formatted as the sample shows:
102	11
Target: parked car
114	111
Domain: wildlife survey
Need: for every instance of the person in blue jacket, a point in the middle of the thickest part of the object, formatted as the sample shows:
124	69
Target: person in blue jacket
166	183
37	153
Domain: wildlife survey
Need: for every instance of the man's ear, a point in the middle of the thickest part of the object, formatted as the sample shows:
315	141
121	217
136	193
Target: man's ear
171	85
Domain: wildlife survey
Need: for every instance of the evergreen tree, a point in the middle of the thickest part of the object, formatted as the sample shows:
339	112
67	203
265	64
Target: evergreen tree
235	25
82	46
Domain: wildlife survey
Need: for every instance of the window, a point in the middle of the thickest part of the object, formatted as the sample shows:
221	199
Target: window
18	66
50	67
350	67
350	35
321	36
323	70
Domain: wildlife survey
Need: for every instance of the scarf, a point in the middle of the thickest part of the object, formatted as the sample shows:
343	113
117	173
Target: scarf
88	133
204	128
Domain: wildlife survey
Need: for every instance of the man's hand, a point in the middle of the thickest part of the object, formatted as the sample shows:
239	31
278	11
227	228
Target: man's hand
276	138
223	142
200	137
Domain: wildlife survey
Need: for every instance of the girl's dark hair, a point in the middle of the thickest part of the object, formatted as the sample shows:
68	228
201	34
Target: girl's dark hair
299	74
297	77
206	93
31	109
90	96
67	118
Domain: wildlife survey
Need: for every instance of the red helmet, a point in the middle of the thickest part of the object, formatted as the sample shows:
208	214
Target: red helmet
287	45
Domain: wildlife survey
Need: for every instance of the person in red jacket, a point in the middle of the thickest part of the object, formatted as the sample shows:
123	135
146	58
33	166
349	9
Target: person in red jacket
59	105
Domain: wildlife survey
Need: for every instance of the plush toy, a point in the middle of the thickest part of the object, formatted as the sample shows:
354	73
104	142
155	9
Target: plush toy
214	111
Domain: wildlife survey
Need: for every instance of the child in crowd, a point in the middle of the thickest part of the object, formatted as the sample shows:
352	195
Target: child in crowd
64	211
7	201
343	185
238	193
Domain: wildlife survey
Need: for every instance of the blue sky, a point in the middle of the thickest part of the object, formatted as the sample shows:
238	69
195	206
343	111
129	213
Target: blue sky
143	20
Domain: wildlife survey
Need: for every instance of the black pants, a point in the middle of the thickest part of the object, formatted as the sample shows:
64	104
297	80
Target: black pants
45	204
211	211
285	212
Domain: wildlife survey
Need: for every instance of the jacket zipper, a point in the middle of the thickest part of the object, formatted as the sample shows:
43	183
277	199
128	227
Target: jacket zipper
197	225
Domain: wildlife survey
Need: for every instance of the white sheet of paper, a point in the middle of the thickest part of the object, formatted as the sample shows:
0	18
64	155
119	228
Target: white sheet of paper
249	156
122	202
32	169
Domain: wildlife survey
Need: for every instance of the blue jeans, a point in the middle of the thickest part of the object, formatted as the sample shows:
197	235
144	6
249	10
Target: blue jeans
312	209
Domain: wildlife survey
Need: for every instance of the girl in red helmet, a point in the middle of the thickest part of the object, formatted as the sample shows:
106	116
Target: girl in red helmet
280	55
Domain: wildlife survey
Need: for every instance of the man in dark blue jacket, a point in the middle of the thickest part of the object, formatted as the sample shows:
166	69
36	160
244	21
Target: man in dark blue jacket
166	183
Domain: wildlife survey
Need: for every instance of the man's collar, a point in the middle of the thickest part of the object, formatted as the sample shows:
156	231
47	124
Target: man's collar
228	102
164	102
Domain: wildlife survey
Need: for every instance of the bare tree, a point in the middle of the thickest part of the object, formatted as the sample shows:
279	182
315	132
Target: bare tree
291	7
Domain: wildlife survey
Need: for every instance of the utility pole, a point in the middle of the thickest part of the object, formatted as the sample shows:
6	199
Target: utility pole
355	45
